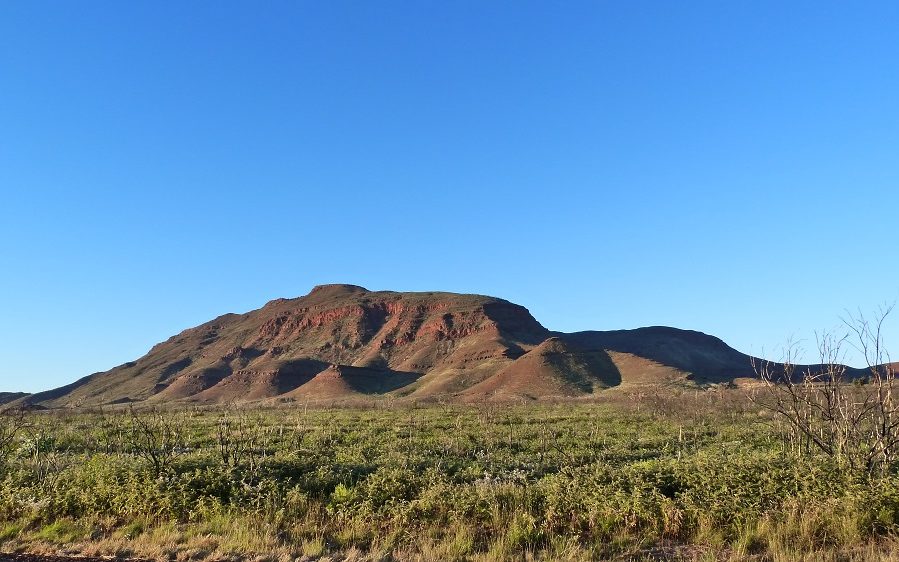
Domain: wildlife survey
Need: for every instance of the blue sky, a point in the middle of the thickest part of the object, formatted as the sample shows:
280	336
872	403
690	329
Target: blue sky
729	167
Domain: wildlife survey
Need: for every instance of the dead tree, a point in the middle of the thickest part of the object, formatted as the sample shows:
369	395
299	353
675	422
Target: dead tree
857	425
243	443
154	437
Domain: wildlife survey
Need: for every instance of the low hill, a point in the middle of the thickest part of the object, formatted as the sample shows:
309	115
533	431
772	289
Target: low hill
553	368
343	341
7	397
658	352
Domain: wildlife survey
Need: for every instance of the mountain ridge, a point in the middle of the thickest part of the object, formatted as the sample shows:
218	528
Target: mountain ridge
7	397
343	341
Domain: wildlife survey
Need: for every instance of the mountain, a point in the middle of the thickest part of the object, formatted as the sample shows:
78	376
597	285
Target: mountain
345	342
7	397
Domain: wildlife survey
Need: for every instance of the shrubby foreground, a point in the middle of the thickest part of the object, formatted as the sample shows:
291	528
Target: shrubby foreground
642	474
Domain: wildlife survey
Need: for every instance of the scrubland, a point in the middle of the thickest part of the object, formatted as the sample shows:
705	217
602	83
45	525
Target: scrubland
641	474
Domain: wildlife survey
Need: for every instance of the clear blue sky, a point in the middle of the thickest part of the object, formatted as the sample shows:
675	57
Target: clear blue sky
730	167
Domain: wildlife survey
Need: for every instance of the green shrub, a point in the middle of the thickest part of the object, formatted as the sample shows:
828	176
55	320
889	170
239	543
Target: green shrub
577	479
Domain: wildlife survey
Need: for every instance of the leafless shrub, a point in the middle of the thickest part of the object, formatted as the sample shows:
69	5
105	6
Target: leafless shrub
12	422
153	436
242	442
855	424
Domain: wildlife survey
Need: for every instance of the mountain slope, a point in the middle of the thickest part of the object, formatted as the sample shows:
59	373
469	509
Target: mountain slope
7	397
648	354
342	341
286	343
553	368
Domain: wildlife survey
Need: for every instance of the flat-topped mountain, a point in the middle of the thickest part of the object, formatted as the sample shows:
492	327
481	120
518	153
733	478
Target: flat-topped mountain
343	341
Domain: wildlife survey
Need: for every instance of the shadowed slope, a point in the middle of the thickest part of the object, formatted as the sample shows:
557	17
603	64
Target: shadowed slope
256	385
342	381
7	397
554	368
660	353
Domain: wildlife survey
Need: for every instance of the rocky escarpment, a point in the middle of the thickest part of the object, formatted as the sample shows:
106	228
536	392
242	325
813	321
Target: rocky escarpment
343	341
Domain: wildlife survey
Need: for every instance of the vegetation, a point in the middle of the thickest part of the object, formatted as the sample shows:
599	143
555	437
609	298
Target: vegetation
857	428
642	474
